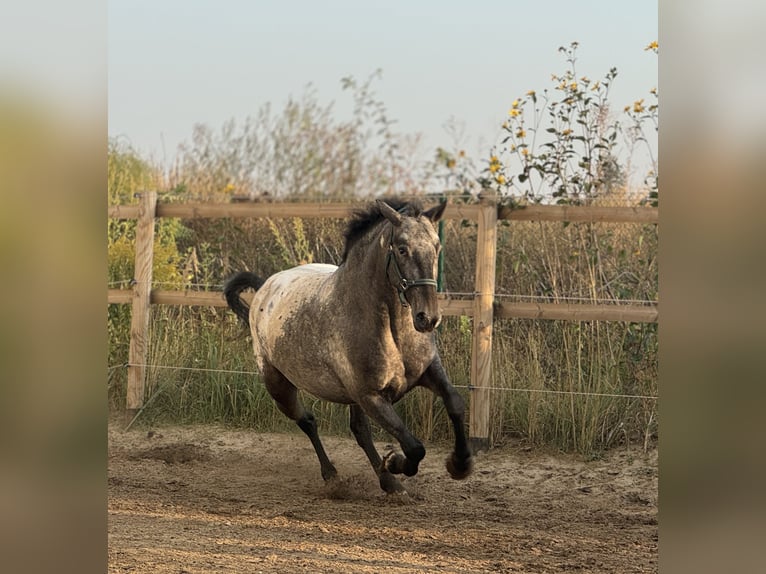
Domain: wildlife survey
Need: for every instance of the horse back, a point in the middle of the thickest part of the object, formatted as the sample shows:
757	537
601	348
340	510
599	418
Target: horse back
285	297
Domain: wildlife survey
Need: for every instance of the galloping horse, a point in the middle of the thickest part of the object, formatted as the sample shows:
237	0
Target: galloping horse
359	334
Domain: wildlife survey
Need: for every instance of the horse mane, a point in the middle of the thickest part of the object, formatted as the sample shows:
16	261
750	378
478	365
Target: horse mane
362	220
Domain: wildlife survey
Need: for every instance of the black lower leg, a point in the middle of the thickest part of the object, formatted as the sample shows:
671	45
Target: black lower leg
360	426
384	414
460	464
308	425
285	395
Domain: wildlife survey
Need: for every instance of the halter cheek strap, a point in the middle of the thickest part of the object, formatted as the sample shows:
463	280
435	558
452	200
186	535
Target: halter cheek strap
403	283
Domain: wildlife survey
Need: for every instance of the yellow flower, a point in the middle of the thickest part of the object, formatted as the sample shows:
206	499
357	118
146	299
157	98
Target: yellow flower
521	134
626	109
595	86
515	103
494	164
525	152
653	91
654	46
566	132
638	106
531	93
573	86
450	163
513	112
229	188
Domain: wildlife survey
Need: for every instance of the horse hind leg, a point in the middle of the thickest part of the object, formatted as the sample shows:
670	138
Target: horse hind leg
360	426
285	394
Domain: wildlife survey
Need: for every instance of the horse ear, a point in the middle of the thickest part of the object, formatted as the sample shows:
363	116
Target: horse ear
389	212
436	212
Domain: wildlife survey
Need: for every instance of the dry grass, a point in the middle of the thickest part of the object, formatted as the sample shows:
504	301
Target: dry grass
553	380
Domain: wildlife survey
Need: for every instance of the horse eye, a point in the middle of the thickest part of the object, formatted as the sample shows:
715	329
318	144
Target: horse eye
402	250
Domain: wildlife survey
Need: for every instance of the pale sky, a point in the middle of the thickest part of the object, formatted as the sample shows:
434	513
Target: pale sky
175	63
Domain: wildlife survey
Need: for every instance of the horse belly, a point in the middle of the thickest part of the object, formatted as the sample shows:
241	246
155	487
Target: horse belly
311	366
318	380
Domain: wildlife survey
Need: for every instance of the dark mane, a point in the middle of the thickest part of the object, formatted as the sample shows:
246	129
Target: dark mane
365	219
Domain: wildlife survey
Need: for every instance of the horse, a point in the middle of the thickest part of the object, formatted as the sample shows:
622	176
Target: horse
360	333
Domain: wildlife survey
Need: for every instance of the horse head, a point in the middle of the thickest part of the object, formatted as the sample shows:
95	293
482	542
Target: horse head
412	258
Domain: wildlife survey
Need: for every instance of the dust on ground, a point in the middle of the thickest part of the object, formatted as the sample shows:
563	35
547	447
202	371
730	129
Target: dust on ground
188	500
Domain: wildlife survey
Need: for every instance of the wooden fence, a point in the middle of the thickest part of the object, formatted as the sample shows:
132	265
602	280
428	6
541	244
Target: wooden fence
482	306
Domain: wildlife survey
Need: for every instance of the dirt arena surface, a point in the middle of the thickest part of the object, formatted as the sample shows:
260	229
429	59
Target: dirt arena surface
188	500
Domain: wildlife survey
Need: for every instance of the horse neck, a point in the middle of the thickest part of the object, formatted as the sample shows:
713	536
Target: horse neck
362	279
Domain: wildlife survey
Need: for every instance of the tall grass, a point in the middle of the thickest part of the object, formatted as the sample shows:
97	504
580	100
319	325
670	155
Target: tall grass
556	383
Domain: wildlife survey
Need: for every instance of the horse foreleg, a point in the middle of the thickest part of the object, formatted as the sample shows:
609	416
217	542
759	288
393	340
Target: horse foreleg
285	394
460	464
383	413
360	426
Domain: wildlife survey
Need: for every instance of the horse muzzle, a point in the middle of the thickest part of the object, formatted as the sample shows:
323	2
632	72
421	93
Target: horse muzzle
426	323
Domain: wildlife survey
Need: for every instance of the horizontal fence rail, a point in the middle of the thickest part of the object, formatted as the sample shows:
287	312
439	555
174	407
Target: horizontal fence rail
482	305
449	306
341	210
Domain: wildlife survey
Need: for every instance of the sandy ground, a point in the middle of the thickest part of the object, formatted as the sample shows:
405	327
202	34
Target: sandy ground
187	500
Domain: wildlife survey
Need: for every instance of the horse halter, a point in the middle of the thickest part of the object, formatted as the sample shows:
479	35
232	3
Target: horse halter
403	284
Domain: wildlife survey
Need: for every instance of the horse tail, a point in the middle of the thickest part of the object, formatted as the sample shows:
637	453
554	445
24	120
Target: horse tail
234	286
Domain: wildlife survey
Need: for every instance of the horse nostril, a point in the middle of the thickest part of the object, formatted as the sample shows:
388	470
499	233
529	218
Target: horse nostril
424	322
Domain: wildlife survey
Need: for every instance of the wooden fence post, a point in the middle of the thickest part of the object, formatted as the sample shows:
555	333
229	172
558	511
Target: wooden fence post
139	320
481	349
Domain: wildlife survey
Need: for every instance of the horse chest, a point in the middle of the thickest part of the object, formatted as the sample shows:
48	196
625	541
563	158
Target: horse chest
404	367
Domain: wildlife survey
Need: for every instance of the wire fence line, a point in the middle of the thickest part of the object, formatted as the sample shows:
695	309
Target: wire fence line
131	282
200	369
469	387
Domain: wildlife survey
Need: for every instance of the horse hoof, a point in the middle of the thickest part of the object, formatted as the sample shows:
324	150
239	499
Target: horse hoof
393	463
459	468
390	484
399	497
329	475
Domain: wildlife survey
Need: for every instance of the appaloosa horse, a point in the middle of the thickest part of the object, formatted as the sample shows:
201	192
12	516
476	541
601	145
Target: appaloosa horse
359	334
